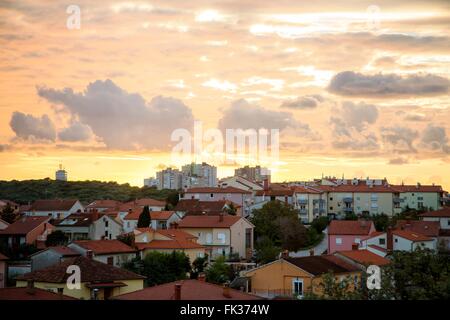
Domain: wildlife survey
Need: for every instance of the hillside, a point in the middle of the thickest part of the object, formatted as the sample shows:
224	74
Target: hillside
26	191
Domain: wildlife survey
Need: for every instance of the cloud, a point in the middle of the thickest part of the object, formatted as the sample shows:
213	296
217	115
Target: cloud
435	138
349	83
305	102
123	120
29	127
415	117
398	161
75	132
243	115
400	138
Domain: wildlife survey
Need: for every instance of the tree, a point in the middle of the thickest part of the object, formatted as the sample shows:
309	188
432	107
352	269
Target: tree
320	223
172	198
334	288
8	214
231	209
56	238
350	216
293	234
198	266
265	250
381	221
219	272
144	218
127	238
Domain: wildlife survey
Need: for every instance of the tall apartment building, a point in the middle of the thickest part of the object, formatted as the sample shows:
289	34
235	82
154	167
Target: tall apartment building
61	174
151	182
169	179
199	175
257	173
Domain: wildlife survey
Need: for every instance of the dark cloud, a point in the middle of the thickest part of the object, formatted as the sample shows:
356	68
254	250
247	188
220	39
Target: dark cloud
399	138
414	117
349	83
29	127
305	102
121	119
435	138
75	132
398	161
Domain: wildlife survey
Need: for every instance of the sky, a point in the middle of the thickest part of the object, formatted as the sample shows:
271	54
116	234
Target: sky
355	88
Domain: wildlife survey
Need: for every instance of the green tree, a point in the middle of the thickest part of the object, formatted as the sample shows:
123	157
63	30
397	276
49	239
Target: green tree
144	218
320	223
265	250
198	266
219	272
8	214
293	234
56	238
231	209
381	221
127	238
172	198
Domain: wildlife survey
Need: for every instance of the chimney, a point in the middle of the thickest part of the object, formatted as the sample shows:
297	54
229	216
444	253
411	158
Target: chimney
95	215
266	184
226	291
355	246
311	252
89	254
177	291
201	277
389	240
221	216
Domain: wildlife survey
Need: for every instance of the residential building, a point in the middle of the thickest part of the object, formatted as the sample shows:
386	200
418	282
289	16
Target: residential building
196	207
151	182
310	202
27	230
90	225
188	290
442	217
3	270
169	179
99	281
104	205
147	240
57	209
112	252
240	183
294	277
272	192
139	204
159	219
420	196
61	174
31	293
362	258
342	234
238	196
256	173
199	175
50	256
221	235
405	240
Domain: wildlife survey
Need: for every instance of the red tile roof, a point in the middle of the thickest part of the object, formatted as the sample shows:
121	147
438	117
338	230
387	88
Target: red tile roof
23	293
53	205
100	247
364	257
346	227
378	248
217	190
208	221
363	188
91	271
62	250
444	212
373	235
317	265
190	290
176	234
3	257
104	204
195	206
83	219
24	225
141	203
169	244
275	192
427	228
306	189
412	236
155	215
417	188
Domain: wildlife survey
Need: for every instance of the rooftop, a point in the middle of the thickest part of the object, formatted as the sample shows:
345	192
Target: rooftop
24	225
427	228
155	215
444	213
349	227
411	236
364	257
53	205
217	190
317	265
104	204
208	221
141	203
24	293
99	247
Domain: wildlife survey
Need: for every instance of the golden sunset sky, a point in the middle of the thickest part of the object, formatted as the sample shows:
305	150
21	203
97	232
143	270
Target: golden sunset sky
358	88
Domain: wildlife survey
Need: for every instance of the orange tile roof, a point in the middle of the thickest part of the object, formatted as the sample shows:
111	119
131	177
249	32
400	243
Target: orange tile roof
217	190
176	234
190	290
444	212
364	257
169	244
141	203
24	225
346	227
373	235
104	204
412	236
53	205
306	189
100	247
378	248
427	228
23	293
416	188
357	188
208	221
154	215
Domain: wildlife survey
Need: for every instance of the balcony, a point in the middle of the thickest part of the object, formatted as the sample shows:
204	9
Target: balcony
348	199
398	200
302	201
348	209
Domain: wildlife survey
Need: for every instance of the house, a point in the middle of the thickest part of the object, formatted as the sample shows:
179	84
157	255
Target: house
167	240
50	256
188	290
376	242
30	293
3	270
197	207
342	234
112	252
362	258
3	224
27	230
406	240
420	196
222	234
442	217
240	197
57	209
99	281
93	226
272	192
104	205
159	219
240	183
294	277
310	202
153	204
428	228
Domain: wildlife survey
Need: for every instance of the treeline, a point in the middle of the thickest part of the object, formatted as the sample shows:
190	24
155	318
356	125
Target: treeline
27	191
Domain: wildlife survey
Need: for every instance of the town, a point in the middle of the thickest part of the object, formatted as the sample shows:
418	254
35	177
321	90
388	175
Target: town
241	237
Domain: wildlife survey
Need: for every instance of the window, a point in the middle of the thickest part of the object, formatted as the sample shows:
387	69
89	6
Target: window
110	261
106	223
221	237
211	195
382	241
106	233
396	240
331	198
208	238
297	287
338	240
331	208
448	222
